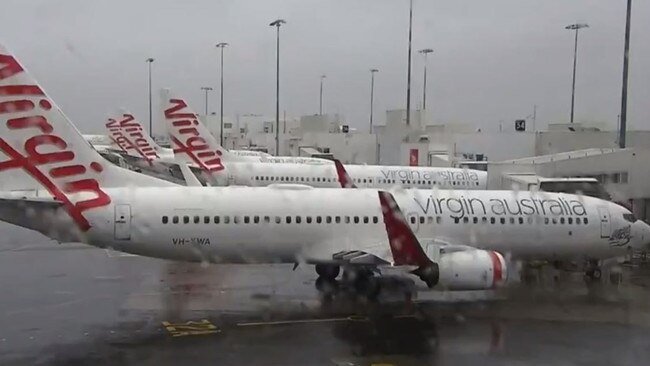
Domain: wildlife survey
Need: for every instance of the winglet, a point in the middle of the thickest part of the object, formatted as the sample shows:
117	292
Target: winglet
405	247
344	177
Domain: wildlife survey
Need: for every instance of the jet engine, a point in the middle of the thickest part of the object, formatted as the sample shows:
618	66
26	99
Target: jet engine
471	270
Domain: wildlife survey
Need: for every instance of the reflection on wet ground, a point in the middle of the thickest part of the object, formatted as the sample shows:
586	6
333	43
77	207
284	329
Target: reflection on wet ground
72	304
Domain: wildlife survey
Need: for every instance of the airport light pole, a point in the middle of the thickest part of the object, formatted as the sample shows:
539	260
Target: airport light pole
576	27
372	94
277	23
425	52
206	89
320	104
623	123
150	60
221	45
408	77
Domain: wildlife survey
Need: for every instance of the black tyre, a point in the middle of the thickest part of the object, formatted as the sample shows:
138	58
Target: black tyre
328	271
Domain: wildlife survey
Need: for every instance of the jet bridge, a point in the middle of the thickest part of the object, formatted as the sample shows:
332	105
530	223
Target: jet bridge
579	185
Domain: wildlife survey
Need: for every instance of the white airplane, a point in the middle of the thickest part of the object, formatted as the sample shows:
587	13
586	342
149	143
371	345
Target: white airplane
194	144
127	133
53	182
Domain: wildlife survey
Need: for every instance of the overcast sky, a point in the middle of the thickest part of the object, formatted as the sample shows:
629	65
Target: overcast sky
493	60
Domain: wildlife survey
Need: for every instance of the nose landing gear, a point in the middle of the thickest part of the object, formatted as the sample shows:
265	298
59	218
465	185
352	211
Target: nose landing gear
593	272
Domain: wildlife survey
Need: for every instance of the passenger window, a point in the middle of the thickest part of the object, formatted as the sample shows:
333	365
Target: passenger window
484	220
256	219
175	219
319	219
430	220
578	221
530	220
356	219
164	219
439	219
421	220
337	219
298	219
328	219
288	219
186	219
247	219
512	220
347	219
267	219
236	219
226	219
413	220
492	220
278	220
554	220
206	219
465	219
197	219
585	221
546	220
456	220
521	221
562	220
503	220
570	220
375	219
216	219
308	219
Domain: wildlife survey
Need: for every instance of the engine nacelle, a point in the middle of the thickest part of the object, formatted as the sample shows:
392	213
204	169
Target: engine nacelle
472	270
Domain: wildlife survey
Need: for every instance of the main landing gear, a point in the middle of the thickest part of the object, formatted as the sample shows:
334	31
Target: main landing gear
358	279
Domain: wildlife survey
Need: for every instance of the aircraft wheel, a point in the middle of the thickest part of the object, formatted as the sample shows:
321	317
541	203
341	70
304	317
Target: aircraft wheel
367	285
594	274
597	274
328	271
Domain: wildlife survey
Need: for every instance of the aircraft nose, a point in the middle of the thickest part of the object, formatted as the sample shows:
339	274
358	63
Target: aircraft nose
643	234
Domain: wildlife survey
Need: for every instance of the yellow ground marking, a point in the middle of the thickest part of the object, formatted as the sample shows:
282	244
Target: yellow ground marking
189	328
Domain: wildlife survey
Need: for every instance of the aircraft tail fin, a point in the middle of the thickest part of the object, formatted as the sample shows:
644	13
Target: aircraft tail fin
40	149
129	134
190	138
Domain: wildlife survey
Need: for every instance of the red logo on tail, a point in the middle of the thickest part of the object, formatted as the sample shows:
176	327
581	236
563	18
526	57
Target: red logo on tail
63	175
193	145
127	133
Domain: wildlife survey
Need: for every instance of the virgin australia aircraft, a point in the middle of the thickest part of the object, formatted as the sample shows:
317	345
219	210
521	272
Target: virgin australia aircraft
193	143
53	182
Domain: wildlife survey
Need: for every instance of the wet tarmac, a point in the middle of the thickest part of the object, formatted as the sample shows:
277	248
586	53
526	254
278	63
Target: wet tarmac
77	305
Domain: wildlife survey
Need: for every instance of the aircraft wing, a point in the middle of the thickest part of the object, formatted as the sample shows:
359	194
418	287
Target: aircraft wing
43	214
377	254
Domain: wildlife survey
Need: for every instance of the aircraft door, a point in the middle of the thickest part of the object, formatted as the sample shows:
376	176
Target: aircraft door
605	223
123	222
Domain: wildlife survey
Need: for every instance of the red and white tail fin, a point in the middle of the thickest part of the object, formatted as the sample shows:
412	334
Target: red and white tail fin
129	134
40	149
190	139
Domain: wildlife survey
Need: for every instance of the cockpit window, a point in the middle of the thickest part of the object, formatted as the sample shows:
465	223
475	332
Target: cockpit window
629	217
